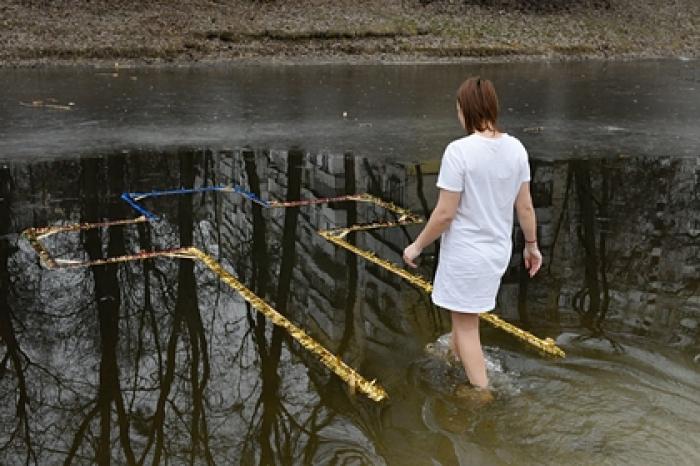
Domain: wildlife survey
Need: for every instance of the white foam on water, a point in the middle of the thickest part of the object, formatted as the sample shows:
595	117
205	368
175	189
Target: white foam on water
503	382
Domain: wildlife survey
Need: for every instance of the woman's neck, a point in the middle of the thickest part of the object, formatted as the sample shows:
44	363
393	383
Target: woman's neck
489	133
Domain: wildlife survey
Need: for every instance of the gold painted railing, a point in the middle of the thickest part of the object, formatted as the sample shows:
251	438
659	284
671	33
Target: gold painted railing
337	236
330	360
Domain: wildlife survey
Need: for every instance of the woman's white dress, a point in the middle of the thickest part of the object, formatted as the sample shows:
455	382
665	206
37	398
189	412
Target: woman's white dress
476	248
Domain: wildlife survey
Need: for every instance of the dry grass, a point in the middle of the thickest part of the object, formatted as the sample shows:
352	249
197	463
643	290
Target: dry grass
100	30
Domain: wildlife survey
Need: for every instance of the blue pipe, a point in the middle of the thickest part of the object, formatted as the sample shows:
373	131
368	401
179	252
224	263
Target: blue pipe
129	197
138	208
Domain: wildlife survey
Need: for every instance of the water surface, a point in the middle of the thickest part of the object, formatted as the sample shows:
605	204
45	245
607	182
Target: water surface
158	361
399	111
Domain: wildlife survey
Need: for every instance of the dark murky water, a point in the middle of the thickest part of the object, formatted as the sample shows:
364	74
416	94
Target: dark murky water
158	361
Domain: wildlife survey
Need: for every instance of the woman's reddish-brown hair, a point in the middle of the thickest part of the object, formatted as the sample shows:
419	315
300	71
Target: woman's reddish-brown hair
478	102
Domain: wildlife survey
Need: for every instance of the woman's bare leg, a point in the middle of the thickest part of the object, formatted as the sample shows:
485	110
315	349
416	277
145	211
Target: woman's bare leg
465	327
454	353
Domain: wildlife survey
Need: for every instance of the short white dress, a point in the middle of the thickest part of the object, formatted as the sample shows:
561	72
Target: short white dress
476	248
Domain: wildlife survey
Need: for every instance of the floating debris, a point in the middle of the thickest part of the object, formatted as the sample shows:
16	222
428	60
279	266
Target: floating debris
48	103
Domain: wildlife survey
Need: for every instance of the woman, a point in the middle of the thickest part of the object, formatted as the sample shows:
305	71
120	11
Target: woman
482	176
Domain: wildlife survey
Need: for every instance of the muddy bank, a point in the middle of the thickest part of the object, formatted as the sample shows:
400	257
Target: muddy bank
129	31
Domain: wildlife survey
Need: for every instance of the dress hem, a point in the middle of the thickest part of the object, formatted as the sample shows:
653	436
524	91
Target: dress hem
464	309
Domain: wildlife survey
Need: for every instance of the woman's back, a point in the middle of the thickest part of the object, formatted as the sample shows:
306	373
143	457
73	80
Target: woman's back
488	172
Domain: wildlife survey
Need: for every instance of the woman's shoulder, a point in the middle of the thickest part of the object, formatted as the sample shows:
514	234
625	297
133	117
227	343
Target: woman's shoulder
513	139
515	144
473	141
463	142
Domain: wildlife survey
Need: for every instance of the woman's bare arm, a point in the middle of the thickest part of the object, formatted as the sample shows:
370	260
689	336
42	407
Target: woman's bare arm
439	221
528	223
526	213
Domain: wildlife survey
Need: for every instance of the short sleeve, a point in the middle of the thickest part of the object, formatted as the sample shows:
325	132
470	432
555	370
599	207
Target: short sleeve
451	175
524	168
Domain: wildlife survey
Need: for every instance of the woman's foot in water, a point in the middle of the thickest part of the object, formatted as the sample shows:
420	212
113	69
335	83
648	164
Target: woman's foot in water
472	394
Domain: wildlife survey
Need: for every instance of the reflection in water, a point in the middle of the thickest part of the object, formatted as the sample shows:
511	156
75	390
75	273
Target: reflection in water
107	297
157	362
17	434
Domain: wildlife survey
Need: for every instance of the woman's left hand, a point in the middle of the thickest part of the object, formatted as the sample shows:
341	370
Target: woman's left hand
410	254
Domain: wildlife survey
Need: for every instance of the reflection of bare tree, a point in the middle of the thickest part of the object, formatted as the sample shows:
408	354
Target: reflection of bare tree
592	300
187	306
350	260
270	376
269	356
14	360
187	317
114	332
562	214
590	292
108	301
272	428
604	220
147	310
17	361
328	391
286	429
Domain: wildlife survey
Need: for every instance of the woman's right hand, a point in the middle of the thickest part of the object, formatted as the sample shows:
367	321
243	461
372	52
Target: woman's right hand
410	254
532	257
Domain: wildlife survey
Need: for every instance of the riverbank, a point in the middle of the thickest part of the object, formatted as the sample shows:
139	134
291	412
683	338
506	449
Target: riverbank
134	32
